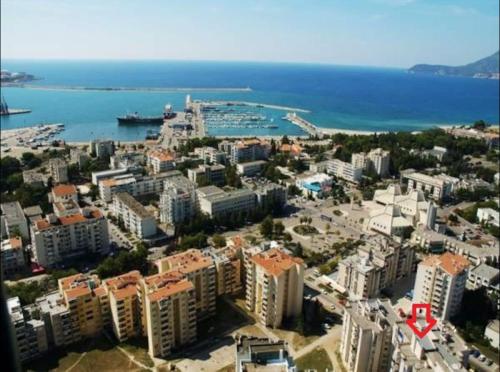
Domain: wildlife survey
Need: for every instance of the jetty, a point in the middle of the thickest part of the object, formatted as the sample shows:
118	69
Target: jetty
308	127
5	110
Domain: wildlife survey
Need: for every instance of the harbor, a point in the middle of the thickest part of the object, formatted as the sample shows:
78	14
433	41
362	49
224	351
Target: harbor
308	127
36	137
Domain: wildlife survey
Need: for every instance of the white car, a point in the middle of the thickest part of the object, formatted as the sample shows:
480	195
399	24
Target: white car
332	307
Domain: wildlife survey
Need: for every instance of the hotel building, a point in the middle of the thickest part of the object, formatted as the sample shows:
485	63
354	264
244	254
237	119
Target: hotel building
274	286
345	171
246	150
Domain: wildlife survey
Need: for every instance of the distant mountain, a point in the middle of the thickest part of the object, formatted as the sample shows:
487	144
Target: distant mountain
487	68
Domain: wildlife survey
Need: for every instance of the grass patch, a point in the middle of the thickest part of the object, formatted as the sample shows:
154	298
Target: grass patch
138	347
317	359
305	230
96	354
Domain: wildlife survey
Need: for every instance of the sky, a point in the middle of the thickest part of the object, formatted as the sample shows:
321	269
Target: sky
395	33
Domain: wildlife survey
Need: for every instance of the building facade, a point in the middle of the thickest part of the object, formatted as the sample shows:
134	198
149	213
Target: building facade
135	217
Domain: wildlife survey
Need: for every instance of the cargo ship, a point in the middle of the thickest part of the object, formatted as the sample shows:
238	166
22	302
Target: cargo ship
135	118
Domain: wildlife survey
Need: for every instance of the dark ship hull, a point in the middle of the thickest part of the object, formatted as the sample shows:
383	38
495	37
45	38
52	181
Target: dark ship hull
147	120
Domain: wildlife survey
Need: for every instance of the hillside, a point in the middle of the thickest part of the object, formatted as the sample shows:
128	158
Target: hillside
484	68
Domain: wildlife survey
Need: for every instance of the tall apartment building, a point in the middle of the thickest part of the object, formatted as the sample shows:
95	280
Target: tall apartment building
170	316
271	194
178	200
13	221
124	304
274	286
135	217
82	295
345	171
208	175
161	160
377	160
366	341
102	148
228	268
58	170
441	282
246	150
30	334
216	202
200	270
211	155
57	239
12	256
436	188
376	266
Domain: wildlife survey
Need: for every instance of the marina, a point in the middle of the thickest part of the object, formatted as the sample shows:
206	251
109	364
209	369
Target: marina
21	139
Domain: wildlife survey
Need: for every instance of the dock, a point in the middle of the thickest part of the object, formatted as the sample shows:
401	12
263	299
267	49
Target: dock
308	127
14	112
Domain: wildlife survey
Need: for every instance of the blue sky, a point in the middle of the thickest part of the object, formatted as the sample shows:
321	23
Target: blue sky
350	32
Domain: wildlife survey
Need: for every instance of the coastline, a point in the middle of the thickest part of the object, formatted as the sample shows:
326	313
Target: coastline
128	89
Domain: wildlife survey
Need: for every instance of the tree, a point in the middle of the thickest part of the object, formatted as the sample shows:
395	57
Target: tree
232	177
279	228
219	240
266	227
298	250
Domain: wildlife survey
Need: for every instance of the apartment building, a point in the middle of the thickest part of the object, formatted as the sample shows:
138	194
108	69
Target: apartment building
198	269
216	202
435	187
376	160
178	200
134	185
130	161
274	286
78	156
161	160
105	174
377	265
228	268
345	171
102	148
211	155
246	150
58	239
170	317
208	175
63	192
488	216
30	334
12	257
251	168
13	221
135	217
483	276
80	296
271	194
58	170
441	281
124	304
366	341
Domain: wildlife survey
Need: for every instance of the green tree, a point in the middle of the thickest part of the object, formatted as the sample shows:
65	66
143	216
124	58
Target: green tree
279	228
266	227
219	240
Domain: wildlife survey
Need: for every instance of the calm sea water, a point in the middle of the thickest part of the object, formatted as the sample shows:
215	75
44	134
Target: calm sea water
355	98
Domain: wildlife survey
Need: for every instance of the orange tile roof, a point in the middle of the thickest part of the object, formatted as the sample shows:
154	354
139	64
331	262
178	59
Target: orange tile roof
453	264
16	243
77	292
124	280
42	224
161	155
63	190
170	289
188	261
72	219
68	280
275	261
160	280
128	291
100	291
108	182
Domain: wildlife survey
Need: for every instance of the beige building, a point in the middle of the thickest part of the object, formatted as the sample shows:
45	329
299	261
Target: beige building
161	160
216	202
228	268
200	270
124	304
168	301
441	281
208	175
58	170
12	256
134	215
274	286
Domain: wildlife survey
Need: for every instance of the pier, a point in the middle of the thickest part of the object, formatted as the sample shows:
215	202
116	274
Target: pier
310	128
14	112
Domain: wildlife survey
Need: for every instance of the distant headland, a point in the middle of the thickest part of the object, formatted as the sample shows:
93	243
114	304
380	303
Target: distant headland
486	68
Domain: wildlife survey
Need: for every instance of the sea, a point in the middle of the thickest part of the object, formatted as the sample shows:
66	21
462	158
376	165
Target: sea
340	97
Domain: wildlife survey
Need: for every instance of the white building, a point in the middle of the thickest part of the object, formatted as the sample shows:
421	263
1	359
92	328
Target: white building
483	276
105	174
30	334
254	354
492	332
211	155
317	185
251	168
13	220
488	216
345	171
58	170
377	160
208	175
178	200
161	160
57	239
216	202
435	187
246	150
441	282
12	256
134	216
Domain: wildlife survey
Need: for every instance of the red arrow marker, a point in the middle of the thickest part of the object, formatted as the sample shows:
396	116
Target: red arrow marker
412	322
